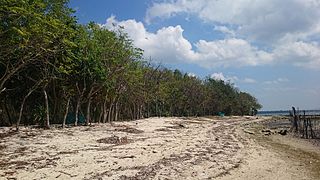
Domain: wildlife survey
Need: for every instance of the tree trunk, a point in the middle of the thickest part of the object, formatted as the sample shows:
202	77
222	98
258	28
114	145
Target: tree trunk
47	122
110	115
131	113
88	106
7	111
139	112
77	111
80	94
105	113
88	112
20	114
113	113
55	102
66	113
134	112
101	113
21	108
148	110
116	110
111	109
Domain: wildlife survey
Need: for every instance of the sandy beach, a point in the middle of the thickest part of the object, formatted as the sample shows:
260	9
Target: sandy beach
155	148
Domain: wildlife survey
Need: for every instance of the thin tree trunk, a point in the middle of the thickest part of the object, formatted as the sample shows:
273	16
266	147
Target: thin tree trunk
88	112
80	94
134	112
7	111
148	111
116	112
21	108
101	113
77	111
110	113
131	113
66	113
105	113
138	112
88	107
111	109
55	101
47	122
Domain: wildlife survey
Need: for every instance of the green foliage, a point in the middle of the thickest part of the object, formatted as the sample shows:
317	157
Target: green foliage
38	114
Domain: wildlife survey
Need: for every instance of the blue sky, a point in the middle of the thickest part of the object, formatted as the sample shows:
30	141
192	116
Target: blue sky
269	48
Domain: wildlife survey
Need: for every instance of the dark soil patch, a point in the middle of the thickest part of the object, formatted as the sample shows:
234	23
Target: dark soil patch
129	130
8	134
20	150
163	129
6	164
115	140
125	157
68	152
2	147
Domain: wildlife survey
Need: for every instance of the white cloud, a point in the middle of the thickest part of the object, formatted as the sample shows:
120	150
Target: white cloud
225	30
192	75
283	80
249	80
231	52
219	76
168	45
232	79
300	54
276	81
281	89
263	20
169	9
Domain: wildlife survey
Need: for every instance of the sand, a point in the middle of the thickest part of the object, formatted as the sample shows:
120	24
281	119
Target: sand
154	148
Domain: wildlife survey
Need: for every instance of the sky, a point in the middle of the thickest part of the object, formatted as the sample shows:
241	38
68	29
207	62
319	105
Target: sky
269	48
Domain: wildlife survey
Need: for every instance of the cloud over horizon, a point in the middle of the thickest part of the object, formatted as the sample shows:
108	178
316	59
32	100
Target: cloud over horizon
168	45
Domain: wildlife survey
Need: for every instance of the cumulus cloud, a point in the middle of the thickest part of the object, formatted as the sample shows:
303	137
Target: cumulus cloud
263	20
220	76
300	54
168	45
249	80
225	30
276	81
231	52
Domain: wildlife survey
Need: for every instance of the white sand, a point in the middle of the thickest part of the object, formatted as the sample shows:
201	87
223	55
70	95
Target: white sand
165	148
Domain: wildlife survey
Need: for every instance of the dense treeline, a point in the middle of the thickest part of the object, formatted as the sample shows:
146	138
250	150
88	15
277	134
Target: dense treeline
54	69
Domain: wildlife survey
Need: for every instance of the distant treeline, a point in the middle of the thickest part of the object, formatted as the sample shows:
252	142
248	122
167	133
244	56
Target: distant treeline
53	68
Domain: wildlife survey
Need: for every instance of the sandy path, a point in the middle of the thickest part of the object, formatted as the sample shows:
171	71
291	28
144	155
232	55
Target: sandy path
154	148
